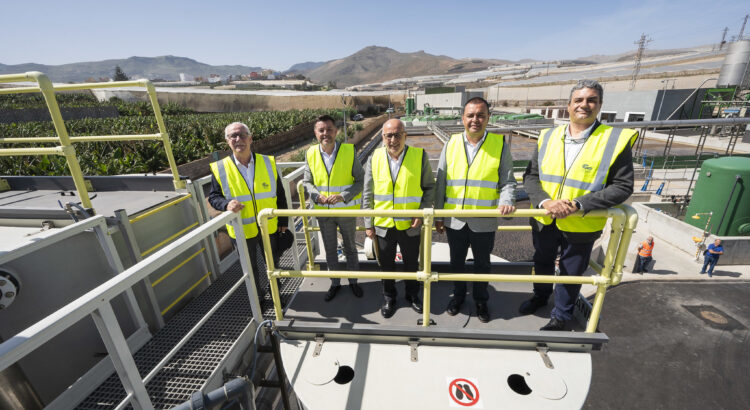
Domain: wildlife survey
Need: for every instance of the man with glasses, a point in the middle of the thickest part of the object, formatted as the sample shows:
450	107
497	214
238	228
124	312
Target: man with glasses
333	178
397	177
584	165
247	183
475	172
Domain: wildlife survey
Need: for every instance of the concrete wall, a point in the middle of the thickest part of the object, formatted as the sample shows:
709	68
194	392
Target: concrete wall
205	101
679	234
447	103
560	92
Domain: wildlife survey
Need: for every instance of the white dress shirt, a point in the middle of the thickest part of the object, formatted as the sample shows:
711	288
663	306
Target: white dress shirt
329	159
248	172
395	164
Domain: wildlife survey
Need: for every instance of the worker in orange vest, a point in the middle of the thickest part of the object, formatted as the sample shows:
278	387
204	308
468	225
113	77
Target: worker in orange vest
645	249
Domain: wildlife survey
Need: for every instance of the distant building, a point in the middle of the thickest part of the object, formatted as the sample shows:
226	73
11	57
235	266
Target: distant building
186	77
214	78
254	75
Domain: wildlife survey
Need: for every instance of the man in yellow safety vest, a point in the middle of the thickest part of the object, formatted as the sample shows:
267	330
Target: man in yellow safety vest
397	177
581	166
247	182
334	177
475	172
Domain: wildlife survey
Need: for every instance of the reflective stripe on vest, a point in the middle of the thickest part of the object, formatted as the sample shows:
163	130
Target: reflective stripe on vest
407	191
234	186
646	249
475	185
340	178
588	173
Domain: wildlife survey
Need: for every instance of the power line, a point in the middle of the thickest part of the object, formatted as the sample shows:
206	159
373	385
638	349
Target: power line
638	57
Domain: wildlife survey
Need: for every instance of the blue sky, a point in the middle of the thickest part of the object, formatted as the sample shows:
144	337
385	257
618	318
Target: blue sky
277	34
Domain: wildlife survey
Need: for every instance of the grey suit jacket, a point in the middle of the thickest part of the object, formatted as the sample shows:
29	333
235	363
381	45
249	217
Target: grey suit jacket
617	189
506	187
357	172
428	192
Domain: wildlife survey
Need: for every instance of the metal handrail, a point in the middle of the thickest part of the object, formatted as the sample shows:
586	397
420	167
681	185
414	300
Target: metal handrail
624	219
66	149
97	304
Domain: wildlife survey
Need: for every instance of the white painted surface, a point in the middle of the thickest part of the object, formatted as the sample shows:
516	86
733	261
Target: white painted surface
386	378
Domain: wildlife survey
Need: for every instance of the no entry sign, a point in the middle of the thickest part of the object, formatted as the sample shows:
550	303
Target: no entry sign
463	393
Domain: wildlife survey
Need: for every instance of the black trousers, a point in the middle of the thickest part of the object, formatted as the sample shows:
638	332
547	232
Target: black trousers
409	252
257	260
481	247
574	259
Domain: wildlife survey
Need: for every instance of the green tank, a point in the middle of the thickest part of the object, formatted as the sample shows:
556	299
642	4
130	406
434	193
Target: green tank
723	188
410	106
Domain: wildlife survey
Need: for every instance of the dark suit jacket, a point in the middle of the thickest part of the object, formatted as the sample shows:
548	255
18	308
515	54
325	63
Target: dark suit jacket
618	188
219	203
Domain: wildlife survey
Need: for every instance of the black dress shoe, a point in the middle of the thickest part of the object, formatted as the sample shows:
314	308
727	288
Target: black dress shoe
389	308
416	304
332	292
554	324
532	305
356	290
483	313
454	306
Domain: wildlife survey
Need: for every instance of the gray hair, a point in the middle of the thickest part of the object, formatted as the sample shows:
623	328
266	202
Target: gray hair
593	84
247	130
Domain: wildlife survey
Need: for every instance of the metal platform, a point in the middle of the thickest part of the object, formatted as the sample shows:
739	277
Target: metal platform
189	370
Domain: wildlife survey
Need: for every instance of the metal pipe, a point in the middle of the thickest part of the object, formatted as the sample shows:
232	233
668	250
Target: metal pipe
737	179
306	228
160	208
239	388
691	94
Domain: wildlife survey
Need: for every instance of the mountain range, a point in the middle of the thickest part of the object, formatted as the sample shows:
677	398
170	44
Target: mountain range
162	67
371	64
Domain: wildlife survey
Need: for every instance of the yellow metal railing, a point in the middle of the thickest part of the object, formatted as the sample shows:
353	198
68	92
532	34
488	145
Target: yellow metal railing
624	219
66	149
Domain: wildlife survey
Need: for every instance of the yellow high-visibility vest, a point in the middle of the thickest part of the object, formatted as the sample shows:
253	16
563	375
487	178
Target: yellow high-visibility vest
475	185
588	173
340	178
263	195
405	194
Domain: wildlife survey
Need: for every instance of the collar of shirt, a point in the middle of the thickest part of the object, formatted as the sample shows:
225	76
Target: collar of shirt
395	164
583	137
471	149
328	160
247	172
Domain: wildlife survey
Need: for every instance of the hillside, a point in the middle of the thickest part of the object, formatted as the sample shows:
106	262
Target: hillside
162	67
377	64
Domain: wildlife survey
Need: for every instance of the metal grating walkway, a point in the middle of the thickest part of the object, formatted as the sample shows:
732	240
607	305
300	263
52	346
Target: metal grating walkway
193	364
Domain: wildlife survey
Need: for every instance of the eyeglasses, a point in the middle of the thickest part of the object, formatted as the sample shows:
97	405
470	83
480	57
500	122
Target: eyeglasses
396	135
238	136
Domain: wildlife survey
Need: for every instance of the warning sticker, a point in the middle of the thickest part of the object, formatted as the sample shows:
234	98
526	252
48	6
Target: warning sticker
463	393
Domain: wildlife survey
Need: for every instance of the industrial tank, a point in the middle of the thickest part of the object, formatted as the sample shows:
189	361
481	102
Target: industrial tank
722	188
410	106
734	70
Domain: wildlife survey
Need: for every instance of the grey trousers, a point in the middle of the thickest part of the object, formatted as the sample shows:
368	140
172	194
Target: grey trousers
347	226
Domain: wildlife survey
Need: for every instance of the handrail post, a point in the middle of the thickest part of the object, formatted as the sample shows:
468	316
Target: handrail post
47	90
263	216
247	270
151	91
306	228
119	353
429	216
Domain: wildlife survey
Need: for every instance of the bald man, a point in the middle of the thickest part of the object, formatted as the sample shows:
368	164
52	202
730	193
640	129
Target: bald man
397	177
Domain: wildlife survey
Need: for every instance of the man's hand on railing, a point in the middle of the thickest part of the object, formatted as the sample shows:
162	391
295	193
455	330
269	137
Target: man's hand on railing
370	232
416	222
235	206
439	226
506	209
559	208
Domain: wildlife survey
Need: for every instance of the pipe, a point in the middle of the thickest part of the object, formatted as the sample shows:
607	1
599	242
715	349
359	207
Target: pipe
239	388
737	178
688	97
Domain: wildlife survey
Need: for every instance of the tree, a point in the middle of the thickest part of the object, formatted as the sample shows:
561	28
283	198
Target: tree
120	75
